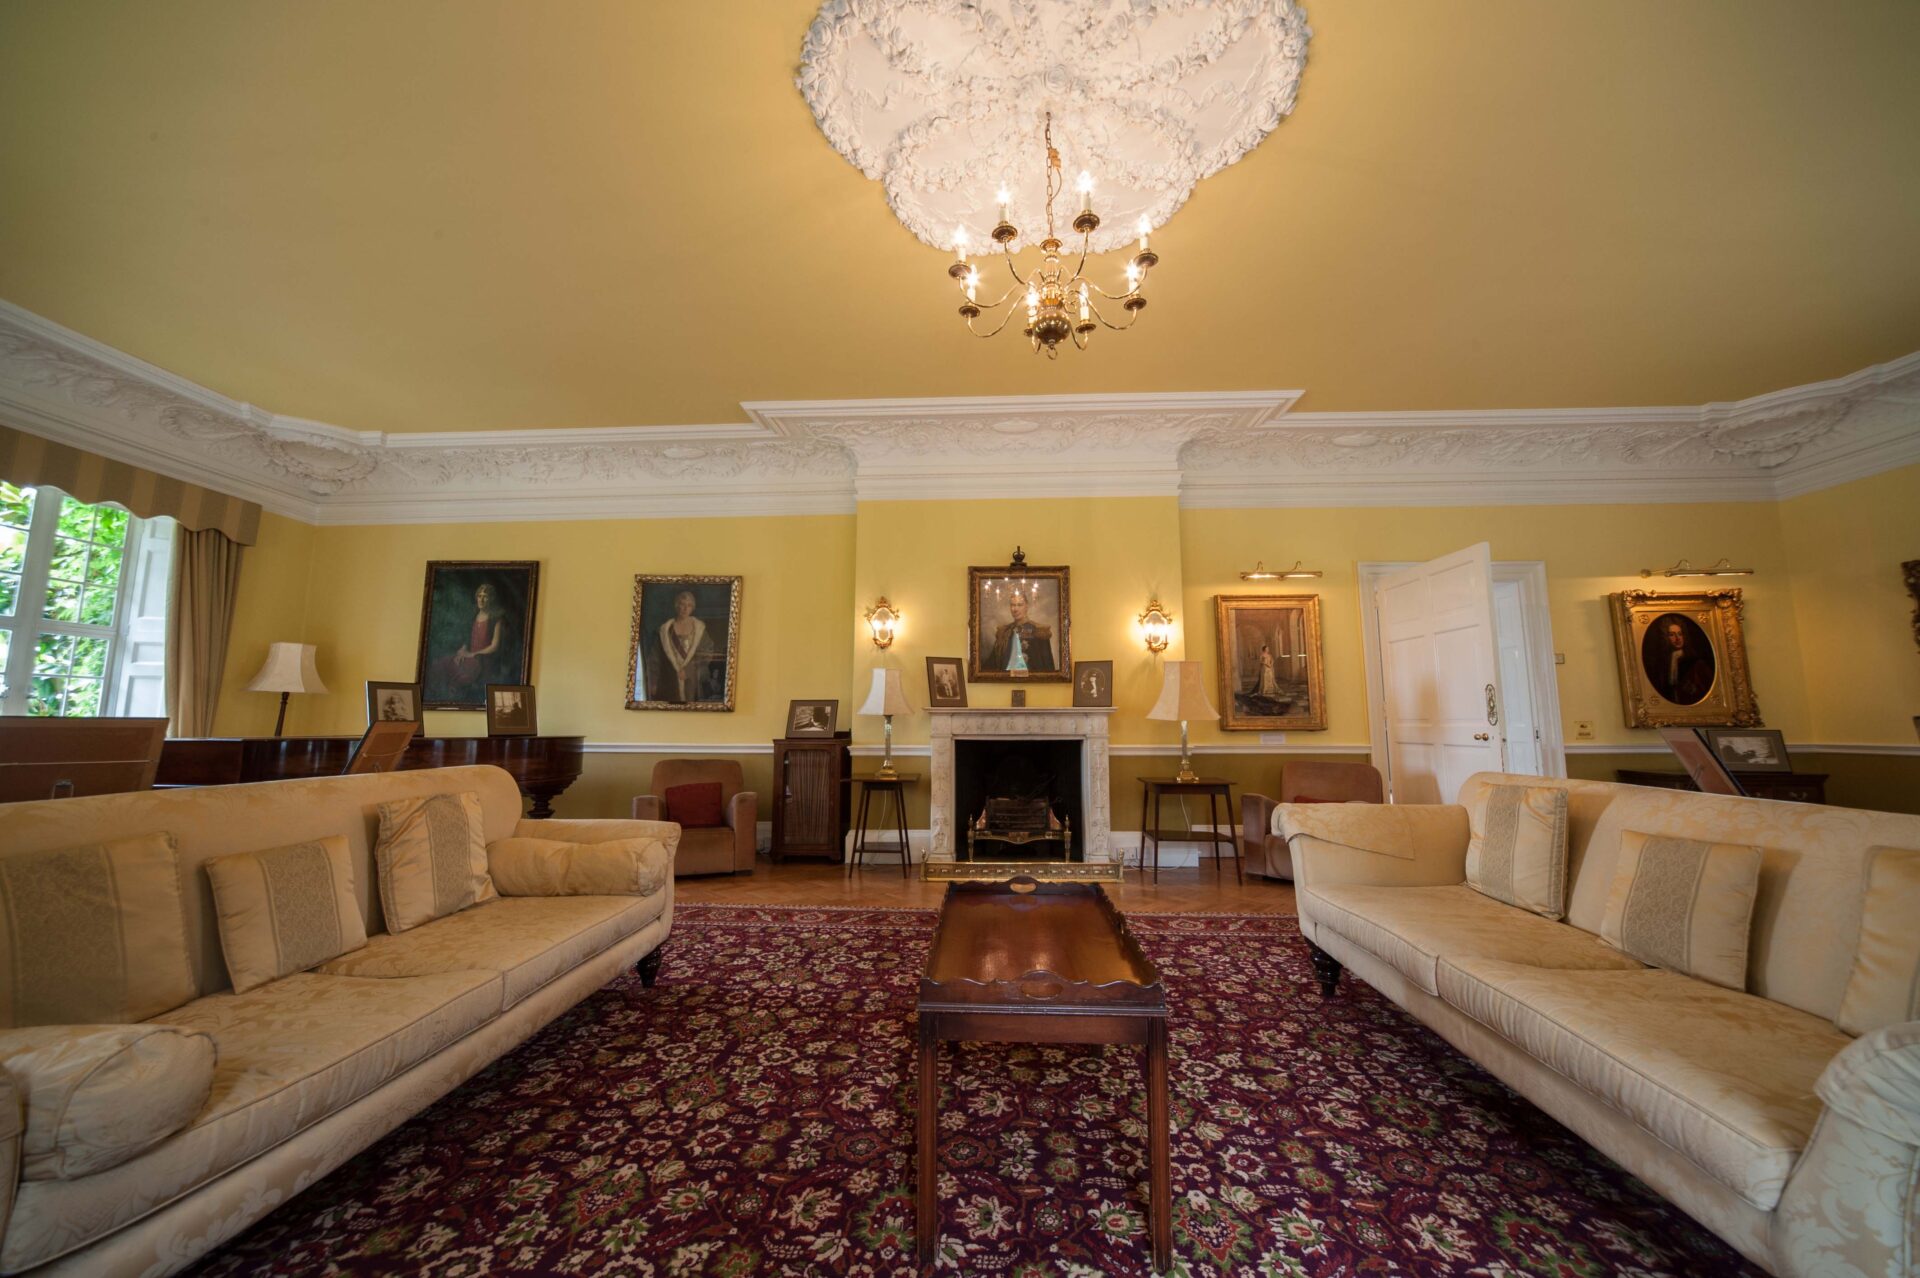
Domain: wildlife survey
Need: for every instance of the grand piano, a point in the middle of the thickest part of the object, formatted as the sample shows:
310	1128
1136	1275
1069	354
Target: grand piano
543	766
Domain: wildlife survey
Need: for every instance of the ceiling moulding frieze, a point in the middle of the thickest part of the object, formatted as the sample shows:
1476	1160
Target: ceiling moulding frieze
942	101
1038	446
1223	449
1775	445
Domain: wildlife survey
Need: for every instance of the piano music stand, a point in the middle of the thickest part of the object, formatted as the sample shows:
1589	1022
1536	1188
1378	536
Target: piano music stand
381	748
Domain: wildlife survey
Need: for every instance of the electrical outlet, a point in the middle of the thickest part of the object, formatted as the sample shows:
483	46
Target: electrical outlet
1559	658
1583	729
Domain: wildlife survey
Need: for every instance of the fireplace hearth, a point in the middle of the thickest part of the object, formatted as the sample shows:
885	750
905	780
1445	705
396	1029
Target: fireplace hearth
1057	755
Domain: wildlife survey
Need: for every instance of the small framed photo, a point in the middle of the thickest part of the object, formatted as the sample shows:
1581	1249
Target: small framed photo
946	683
1750	749
812	718
392	702
510	711
1093	684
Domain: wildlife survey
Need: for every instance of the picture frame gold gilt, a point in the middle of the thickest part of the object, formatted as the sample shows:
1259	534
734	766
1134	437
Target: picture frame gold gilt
1272	672
1683	659
685	651
1019	623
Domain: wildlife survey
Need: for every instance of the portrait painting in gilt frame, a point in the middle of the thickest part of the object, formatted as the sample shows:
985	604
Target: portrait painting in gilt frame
476	628
686	643
1683	659
1272	677
1018	624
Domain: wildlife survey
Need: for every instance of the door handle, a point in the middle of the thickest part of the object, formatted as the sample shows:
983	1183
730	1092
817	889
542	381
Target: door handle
1493	715
1480	736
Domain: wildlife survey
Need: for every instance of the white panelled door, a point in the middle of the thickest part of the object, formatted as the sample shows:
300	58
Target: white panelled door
1440	669
140	659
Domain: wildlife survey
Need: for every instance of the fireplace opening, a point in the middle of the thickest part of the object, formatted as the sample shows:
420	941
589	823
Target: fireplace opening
1019	800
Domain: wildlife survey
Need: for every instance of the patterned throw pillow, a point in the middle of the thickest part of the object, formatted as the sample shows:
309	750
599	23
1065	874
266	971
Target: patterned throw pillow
1885	986
432	858
93	935
285	910
1684	905
1517	846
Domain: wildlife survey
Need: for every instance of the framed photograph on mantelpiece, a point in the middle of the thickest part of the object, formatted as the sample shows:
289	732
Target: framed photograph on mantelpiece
476	628
686	643
946	683
392	702
1018	623
1093	684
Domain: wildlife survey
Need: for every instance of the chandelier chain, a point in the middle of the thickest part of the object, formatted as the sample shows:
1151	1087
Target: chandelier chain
1060	304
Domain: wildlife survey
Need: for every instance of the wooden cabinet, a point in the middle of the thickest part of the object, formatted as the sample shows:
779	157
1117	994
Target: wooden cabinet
1788	787
812	778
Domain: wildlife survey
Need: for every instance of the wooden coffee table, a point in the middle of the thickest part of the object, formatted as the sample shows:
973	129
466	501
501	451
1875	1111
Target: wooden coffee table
1027	962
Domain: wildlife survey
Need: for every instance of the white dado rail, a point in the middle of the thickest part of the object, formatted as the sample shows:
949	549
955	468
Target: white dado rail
1087	726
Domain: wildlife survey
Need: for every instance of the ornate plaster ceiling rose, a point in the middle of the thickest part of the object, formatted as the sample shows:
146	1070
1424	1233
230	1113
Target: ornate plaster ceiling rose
942	101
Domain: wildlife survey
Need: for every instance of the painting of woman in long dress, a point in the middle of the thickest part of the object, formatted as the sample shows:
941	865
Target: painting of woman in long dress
1270	670
686	643
476	628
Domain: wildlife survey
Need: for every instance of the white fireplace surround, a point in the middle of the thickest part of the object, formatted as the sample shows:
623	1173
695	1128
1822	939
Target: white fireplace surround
1041	723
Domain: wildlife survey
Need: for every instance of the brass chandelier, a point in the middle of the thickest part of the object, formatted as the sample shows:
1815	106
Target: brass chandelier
1058	305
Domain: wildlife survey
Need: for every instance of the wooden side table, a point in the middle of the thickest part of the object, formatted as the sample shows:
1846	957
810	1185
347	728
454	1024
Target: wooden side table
897	787
1153	790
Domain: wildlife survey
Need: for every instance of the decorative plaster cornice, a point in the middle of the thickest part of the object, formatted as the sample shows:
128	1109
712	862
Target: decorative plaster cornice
1224	449
1759	449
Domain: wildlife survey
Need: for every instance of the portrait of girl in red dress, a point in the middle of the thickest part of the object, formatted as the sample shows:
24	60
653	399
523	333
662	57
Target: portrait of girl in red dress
477	630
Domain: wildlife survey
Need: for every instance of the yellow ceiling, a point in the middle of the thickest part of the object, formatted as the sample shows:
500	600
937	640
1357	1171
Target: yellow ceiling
469	214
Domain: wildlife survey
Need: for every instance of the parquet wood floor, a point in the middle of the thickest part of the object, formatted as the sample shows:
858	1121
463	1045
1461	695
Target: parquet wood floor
1199	890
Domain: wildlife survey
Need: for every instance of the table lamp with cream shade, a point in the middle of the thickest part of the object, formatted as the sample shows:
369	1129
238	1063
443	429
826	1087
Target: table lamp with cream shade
1183	696
887	698
288	669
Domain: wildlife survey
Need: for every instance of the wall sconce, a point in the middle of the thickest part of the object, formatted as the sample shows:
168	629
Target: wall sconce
1263	573
1685	569
1157	623
883	620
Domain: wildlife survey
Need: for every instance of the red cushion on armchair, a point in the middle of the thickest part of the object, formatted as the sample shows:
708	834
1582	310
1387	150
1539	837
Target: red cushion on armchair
694	807
1308	798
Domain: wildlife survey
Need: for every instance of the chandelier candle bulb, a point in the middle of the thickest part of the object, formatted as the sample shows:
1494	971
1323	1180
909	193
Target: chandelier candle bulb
1004	198
960	243
1145	227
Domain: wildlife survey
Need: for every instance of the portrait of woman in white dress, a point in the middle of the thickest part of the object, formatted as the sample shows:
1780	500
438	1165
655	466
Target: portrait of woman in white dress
686	642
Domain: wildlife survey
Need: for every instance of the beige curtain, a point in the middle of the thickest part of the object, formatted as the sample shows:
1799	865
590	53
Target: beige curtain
206	581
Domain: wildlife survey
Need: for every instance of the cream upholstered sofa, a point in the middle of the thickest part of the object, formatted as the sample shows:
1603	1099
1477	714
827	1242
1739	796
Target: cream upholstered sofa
313	1067
1795	1142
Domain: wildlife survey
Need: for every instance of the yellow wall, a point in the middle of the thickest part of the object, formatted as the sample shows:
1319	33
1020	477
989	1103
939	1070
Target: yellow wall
1121	551
1827	580
1862	666
1590	552
363	610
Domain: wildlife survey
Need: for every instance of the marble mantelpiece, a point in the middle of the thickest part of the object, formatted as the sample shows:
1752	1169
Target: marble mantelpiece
1028	723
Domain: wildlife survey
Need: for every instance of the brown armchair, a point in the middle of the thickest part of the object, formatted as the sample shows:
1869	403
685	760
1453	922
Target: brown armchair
1325	782
722	849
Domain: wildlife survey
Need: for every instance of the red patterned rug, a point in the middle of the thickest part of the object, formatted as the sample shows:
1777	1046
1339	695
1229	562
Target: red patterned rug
752	1115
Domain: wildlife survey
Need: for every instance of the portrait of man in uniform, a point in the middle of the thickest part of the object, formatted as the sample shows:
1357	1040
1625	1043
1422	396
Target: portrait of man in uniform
1018	629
